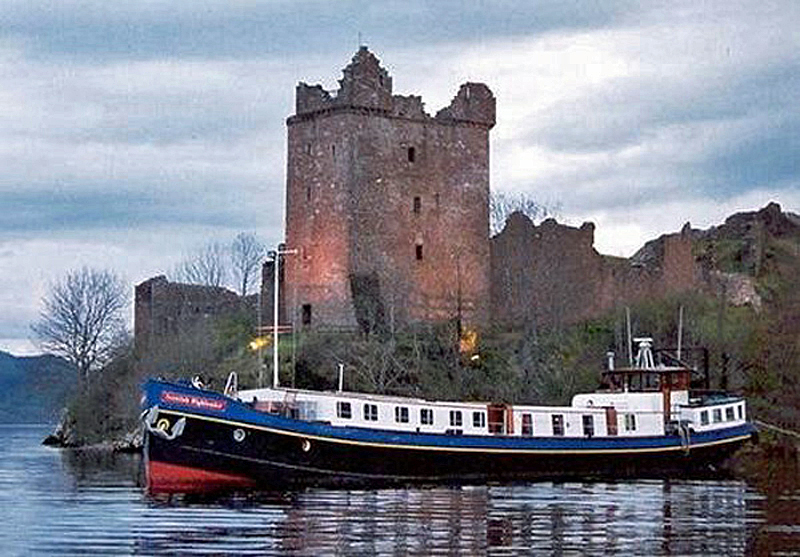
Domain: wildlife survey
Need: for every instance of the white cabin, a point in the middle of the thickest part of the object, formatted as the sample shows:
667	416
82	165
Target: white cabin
644	400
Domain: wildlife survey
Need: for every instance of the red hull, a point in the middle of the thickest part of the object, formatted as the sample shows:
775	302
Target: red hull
173	478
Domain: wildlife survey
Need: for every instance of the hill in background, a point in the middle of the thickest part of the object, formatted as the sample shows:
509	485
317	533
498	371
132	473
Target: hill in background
34	389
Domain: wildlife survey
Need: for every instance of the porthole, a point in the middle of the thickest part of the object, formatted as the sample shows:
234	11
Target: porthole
238	435
305	445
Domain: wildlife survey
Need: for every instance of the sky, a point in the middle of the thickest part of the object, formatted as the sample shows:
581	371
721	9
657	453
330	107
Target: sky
134	133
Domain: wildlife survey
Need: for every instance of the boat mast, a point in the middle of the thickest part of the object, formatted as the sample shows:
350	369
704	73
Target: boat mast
628	326
680	331
276	255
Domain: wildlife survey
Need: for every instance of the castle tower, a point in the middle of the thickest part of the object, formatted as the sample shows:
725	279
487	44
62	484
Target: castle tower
387	206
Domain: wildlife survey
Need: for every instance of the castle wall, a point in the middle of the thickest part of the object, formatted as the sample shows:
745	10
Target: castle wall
174	322
551	275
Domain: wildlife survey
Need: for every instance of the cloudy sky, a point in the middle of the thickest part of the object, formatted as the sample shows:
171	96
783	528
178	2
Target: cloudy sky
131	133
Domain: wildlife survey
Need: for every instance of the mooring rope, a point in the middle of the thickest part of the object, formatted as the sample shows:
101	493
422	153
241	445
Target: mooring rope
776	428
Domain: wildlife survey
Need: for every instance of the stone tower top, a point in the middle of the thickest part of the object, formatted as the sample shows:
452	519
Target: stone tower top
474	103
366	85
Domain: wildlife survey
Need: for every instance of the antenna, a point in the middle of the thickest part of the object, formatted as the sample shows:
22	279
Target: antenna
630	345
680	331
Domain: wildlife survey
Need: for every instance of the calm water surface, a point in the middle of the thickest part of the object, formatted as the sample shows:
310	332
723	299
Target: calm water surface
78	503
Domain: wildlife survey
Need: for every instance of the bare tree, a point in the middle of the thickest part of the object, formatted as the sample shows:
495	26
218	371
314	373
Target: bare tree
246	256
501	205
207	266
82	319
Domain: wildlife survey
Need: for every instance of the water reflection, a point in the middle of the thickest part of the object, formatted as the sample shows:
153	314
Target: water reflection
78	503
653	517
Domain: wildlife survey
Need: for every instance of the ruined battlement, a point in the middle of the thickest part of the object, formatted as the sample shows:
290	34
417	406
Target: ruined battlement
473	104
551	274
368	86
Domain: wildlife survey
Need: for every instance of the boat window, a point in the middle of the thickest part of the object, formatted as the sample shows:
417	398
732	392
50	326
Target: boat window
558	424
588	425
343	410
401	414
455	418
740	411
729	414
527	425
371	412
426	416
630	422
704	417
478	419
717	415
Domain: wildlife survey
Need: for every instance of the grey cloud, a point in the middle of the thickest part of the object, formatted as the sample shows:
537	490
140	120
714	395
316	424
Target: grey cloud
107	30
73	209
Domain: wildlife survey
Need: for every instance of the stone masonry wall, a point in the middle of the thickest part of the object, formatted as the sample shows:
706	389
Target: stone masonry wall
551	275
174	322
375	190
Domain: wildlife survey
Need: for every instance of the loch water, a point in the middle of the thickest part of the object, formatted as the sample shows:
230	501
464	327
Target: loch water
67	502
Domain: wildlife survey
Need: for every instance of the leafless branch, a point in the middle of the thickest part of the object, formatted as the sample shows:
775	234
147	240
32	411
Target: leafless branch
501	205
246	256
82	318
207	266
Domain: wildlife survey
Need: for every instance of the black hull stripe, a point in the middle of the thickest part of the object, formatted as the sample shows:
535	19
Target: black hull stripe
326	471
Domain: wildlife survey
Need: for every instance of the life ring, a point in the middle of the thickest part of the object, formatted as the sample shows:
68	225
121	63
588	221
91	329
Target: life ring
238	435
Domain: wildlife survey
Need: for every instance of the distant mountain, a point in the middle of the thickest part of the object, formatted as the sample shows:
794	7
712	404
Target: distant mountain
34	389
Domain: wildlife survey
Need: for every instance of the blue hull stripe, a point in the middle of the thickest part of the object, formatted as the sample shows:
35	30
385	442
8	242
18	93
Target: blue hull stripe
238	414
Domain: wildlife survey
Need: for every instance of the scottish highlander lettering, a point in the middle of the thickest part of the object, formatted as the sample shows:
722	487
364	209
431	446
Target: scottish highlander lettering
203	403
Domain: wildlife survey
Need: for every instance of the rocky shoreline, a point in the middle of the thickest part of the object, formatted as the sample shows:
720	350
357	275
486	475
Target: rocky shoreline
65	436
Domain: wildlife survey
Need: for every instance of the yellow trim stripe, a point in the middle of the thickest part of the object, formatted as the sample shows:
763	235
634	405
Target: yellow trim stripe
453	449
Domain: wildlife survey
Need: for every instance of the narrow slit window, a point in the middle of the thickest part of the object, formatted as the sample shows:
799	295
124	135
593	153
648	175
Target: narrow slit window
412	154
306	314
417	204
419	252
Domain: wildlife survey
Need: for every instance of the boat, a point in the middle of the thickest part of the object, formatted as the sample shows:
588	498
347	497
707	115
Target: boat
645	420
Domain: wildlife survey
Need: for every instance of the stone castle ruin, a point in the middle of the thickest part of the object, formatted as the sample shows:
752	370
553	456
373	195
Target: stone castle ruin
387	208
